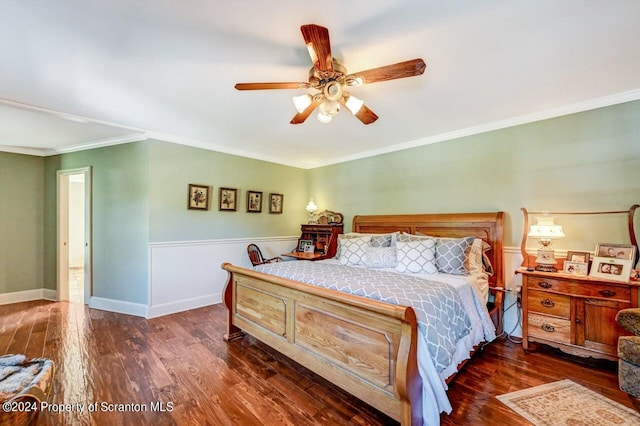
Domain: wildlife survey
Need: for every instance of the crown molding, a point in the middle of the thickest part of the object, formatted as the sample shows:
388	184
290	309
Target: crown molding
591	104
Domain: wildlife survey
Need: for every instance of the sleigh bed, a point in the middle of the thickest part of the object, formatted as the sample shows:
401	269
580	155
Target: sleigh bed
367	347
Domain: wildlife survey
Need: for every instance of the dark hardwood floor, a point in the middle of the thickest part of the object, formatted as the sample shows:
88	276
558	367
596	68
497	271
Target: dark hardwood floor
182	361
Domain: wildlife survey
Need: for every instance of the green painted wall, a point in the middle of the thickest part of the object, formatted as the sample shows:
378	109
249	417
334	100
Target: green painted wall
21	222
173	167
582	162
120	176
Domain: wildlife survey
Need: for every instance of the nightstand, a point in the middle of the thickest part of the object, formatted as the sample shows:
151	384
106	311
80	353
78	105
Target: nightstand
575	314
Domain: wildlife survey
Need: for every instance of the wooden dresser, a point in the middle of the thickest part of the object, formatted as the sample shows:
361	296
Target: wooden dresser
574	313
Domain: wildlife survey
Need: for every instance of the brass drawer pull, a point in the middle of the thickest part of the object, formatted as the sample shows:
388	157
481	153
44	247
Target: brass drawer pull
544	284
548	328
607	293
547	303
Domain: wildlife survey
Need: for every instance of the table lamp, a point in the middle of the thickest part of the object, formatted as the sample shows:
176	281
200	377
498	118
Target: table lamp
311	207
546	231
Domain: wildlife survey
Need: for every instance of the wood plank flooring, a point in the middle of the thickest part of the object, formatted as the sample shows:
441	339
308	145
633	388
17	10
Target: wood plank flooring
182	362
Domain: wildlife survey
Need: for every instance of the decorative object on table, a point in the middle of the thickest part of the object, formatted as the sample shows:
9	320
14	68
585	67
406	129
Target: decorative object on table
23	383
227	200
578	256
618	251
327	217
254	202
198	197
311	208
611	268
575	268
276	202
546	231
305	246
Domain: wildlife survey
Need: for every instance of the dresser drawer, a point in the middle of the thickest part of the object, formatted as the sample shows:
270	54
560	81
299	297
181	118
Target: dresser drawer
547	303
549	328
581	288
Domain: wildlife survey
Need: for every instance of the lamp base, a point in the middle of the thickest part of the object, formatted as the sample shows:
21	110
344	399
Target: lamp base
546	268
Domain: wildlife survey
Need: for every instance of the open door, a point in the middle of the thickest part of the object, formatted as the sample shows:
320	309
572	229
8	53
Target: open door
74	235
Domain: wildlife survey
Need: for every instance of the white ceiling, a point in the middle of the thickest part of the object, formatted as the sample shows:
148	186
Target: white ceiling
79	74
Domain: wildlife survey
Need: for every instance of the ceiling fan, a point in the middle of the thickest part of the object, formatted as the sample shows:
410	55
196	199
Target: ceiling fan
330	79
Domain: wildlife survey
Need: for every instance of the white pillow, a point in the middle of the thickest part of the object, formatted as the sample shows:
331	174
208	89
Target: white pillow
381	257
354	250
418	257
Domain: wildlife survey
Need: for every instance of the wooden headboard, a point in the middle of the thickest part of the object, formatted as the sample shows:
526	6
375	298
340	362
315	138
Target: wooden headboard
488	226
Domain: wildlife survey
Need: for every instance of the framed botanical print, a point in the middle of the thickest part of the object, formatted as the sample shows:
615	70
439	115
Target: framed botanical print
254	202
275	203
227	200
198	197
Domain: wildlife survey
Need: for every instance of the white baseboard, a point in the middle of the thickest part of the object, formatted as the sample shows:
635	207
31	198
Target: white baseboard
28	295
49	294
183	305
119	306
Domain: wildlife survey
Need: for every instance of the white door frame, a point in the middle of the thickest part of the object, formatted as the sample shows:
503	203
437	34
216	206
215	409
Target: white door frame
63	233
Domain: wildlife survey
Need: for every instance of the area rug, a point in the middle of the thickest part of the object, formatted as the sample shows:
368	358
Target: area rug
568	403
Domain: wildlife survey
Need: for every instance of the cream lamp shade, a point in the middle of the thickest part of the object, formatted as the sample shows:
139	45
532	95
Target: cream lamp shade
546	231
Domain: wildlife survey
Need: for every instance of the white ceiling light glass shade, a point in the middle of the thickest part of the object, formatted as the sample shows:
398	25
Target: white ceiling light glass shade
324	118
354	104
302	102
330	108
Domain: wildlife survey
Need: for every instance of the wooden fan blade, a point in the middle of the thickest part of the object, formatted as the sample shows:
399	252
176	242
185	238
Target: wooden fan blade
268	86
391	72
302	116
366	115
317	40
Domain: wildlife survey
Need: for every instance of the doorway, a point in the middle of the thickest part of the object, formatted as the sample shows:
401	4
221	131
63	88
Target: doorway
74	235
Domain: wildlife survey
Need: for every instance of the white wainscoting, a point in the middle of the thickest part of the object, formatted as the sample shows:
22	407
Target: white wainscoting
187	275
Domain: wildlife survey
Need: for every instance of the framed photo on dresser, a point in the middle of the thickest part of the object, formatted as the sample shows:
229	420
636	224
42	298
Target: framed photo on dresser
611	268
617	251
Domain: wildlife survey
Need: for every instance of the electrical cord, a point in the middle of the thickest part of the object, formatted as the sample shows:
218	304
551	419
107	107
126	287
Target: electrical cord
509	334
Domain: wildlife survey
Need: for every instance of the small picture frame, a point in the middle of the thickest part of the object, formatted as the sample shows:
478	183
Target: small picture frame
617	251
611	268
227	199
578	256
254	202
305	246
275	203
575	268
198	197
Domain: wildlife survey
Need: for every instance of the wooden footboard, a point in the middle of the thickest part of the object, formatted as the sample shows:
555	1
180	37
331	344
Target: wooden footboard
366	347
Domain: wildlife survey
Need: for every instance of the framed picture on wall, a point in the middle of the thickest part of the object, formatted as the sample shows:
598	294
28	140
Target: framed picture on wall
227	201
254	202
198	197
275	203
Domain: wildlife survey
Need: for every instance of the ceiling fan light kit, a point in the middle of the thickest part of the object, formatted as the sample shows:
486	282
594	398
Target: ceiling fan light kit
329	79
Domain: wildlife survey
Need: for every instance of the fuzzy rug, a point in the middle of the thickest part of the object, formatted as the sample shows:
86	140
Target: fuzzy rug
568	403
16	374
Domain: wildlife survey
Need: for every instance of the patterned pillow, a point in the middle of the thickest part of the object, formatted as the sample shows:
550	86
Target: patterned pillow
377	240
417	256
451	255
411	237
381	257
354	250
